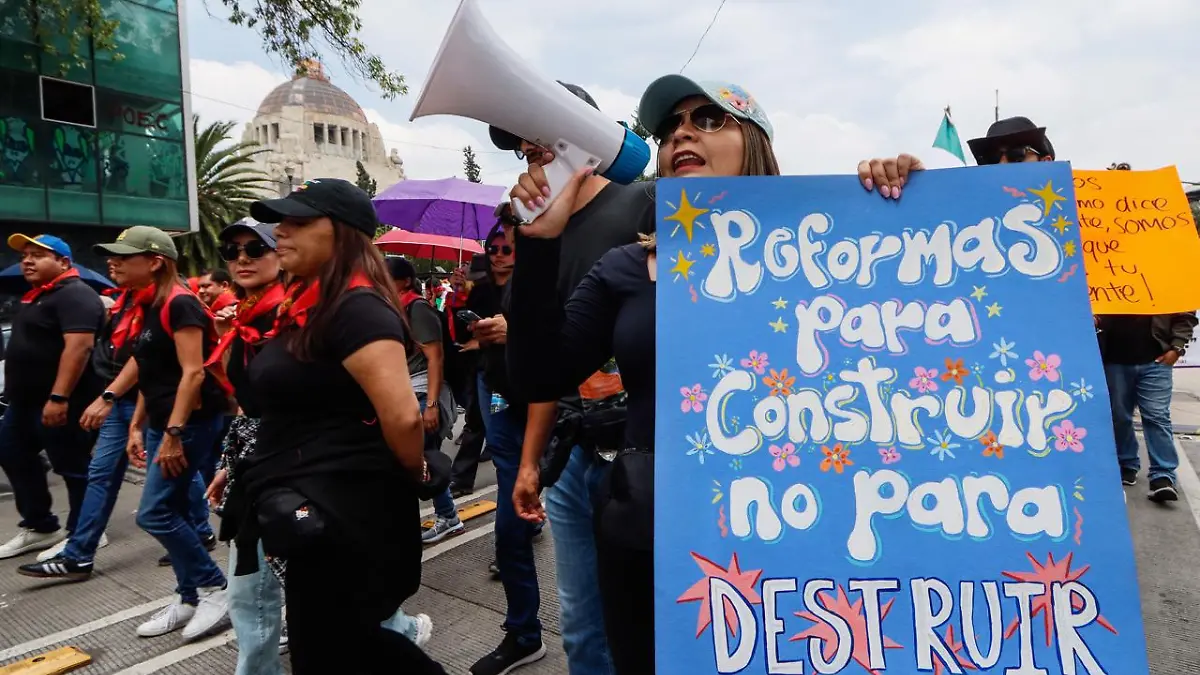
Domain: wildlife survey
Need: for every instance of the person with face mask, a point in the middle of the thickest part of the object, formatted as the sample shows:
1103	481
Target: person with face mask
47	353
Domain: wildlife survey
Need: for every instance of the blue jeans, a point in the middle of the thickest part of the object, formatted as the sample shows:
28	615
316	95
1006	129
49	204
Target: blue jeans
1148	386
105	474
22	438
505	432
443	504
256	612
168	507
569	510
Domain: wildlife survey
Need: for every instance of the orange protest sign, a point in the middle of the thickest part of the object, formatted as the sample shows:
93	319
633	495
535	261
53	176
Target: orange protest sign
1140	246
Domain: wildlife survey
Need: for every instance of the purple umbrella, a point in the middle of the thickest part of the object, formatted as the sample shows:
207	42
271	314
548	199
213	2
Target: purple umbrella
450	207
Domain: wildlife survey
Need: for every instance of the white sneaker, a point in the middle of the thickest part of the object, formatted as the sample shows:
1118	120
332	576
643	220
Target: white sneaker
62	545
28	540
424	629
212	612
167	620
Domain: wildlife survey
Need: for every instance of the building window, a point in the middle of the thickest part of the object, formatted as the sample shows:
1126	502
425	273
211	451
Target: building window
116	111
345	140
72	175
144	181
150	40
275	133
319	134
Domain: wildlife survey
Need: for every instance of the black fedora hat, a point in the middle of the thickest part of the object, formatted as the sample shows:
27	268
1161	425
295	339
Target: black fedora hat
1009	133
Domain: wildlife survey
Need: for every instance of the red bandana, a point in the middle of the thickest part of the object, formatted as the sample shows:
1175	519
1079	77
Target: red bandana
247	311
131	317
45	288
301	298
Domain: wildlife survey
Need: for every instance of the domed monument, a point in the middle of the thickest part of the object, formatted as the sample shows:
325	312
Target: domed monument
312	129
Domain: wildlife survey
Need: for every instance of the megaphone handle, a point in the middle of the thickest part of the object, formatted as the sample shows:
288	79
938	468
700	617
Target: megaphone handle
568	159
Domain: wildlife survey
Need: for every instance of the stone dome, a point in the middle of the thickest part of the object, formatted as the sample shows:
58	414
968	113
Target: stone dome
312	90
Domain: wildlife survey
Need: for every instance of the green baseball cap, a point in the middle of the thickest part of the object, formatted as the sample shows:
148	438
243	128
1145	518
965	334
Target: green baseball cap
140	239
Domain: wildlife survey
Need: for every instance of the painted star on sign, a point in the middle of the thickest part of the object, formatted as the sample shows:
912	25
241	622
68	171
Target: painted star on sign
1069	249
778	325
780	303
1062	225
978	293
1050	198
744	582
994	309
708	250
683	266
686	216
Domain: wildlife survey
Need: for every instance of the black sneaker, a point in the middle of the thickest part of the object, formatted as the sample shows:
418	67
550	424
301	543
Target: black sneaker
209	544
1162	489
509	656
457	491
1129	476
58	567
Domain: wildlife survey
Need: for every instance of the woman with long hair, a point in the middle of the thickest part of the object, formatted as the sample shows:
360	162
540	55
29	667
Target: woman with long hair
255	600
178	406
333	484
702	129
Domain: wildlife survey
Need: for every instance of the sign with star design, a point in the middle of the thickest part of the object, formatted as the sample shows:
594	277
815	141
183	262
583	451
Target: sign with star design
1139	241
883	438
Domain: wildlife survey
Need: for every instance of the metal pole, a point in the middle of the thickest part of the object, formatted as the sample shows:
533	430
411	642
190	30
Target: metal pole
997	105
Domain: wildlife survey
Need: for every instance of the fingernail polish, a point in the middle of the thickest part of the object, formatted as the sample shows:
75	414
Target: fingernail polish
870	184
545	191
541	202
896	193
529	205
885	191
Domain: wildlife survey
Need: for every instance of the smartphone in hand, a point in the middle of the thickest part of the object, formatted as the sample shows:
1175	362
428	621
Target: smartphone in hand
467	316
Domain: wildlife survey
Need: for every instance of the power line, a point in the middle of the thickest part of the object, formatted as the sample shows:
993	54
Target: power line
389	140
702	36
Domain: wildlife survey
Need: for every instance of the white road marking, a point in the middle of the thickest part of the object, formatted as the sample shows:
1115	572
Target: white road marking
1189	482
190	650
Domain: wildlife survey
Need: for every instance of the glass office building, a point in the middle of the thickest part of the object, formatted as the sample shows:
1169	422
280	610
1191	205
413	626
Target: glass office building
105	146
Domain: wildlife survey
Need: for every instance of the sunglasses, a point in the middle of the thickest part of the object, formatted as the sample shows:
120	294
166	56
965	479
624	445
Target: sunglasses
709	118
535	155
1013	155
253	249
493	250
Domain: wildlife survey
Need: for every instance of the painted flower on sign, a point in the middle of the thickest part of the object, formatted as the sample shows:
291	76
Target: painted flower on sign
756	361
1043	366
889	455
779	382
1003	350
924	379
956	371
721	365
700	445
693	398
1067	436
991	446
836	458
785	456
942	445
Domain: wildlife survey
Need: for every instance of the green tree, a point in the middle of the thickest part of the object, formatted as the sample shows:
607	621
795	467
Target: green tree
227	181
364	180
470	166
638	128
294	31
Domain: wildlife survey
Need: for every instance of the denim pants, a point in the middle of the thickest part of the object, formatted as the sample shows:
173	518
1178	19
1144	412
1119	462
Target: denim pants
1148	386
167	511
514	537
22	438
105	474
256	612
443	504
569	510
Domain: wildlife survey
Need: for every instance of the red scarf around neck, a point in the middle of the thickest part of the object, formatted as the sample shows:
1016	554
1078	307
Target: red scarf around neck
303	297
248	310
131	306
46	288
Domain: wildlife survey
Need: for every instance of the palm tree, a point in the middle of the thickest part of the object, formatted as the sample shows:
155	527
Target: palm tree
227	181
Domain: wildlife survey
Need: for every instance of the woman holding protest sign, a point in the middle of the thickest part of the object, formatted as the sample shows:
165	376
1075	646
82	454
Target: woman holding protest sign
702	130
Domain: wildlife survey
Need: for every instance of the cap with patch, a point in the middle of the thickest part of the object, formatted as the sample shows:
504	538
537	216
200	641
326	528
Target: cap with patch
140	239
263	231
1011	132
506	141
666	92
49	242
335	198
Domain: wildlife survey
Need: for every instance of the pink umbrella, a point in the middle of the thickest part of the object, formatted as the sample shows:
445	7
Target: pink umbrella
436	246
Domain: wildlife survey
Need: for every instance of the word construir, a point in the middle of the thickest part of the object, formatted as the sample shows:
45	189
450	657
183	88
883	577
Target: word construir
947	249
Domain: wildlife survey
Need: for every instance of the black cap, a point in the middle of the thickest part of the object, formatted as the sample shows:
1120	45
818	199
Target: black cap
400	268
333	197
506	141
1010	132
263	231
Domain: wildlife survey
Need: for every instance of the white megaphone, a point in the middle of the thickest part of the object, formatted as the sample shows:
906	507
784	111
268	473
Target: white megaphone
477	75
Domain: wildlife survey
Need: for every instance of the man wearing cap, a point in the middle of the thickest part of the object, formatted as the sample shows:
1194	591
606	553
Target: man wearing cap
51	341
605	215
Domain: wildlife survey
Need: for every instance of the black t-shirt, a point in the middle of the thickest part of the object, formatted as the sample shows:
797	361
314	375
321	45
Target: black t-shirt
36	344
488	300
614	217
1128	340
238	368
610	314
316	408
158	362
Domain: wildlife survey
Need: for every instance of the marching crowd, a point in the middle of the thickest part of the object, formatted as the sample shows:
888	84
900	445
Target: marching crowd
305	392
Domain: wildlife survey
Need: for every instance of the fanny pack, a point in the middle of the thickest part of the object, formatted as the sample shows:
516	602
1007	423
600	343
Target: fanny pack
288	522
624	503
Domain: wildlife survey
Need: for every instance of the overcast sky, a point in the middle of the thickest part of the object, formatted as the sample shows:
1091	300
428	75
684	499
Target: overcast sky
1111	80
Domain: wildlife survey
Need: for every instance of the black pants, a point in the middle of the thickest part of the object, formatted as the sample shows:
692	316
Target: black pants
466	461
627	591
22	438
334	611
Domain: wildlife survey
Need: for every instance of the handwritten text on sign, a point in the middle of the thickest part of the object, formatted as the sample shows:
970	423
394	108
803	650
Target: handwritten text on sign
1140	246
883	442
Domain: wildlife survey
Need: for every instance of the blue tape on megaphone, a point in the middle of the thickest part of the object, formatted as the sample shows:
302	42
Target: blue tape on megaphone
630	161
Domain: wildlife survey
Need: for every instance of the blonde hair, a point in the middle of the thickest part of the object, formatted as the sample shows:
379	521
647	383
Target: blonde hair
166	277
758	159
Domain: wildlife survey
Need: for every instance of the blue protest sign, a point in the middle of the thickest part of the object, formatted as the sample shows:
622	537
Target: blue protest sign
883	439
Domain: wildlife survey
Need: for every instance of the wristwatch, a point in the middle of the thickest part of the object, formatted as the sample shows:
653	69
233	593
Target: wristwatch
108	396
174	430
58	398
